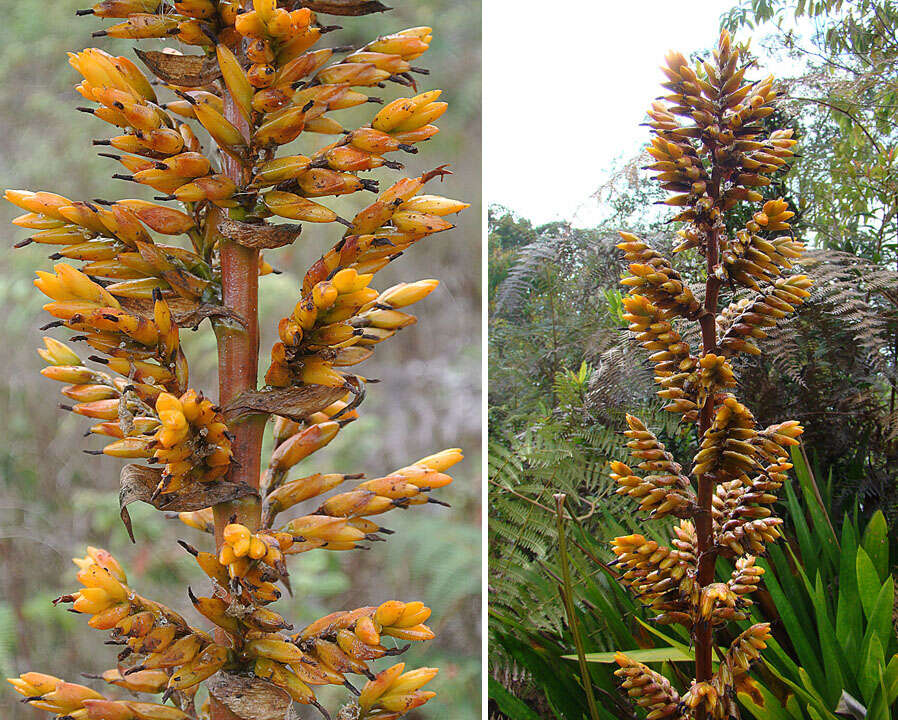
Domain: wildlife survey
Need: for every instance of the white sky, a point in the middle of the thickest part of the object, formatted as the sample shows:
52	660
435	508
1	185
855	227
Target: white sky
566	86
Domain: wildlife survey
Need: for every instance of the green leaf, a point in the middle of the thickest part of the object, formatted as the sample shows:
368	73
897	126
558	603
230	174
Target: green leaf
828	544
807	693
512	707
882	614
807	655
849	616
806	545
871	669
833	663
876	543
890	680
794	708
643	655
811	689
770	709
868	585
877	709
673	642
879	621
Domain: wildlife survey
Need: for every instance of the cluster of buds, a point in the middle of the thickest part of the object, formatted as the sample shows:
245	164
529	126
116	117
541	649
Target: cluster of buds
114	401
146	349
340	522
750	258
154	637
336	324
660	576
666	490
192	441
252	583
711	150
78	702
113	241
240	546
741	507
142	350
393	693
648	689
745	319
654	278
714	695
675	366
742	516
187	433
402	488
745	578
725	450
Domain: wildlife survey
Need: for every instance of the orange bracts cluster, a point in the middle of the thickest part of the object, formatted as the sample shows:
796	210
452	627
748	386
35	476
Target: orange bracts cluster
70	700
153	637
336	325
192	441
711	151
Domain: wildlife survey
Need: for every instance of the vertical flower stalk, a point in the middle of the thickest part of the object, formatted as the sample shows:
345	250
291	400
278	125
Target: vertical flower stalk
228	135
711	151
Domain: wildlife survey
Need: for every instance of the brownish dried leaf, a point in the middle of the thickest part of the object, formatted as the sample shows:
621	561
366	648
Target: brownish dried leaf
182	70
344	7
251	698
259	235
138	482
295	403
186	313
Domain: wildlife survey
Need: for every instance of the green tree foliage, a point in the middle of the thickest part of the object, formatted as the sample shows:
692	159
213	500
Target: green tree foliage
843	99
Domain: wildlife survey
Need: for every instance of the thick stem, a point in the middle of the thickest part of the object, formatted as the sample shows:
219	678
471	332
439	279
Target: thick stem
702	634
238	361
238	348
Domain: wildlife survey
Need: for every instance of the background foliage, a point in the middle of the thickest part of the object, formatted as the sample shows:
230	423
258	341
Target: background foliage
54	499
563	373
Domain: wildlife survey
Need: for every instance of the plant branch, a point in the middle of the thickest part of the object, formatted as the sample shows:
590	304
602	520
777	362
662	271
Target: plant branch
567	597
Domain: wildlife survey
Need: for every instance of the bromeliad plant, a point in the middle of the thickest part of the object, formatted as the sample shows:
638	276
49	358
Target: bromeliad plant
255	85
712	151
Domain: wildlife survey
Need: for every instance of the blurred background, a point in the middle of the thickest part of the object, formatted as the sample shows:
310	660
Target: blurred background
54	499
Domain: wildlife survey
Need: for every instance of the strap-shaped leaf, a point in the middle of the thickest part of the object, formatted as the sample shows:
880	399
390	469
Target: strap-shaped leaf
643	655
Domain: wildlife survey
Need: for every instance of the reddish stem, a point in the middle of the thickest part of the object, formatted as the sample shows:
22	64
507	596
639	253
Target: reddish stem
702	632
238	348
238	361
